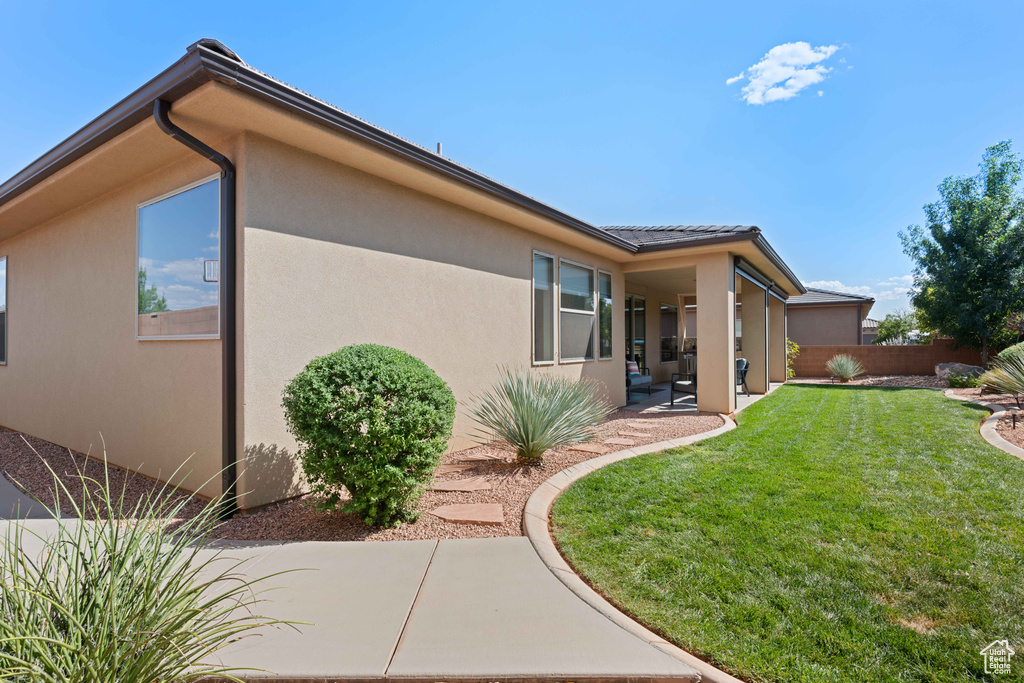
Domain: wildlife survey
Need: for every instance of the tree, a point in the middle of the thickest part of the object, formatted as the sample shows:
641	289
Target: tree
969	272
149	302
1014	325
895	329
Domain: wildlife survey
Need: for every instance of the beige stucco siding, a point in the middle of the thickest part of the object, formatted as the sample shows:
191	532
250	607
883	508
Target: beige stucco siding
334	256
824	325
75	369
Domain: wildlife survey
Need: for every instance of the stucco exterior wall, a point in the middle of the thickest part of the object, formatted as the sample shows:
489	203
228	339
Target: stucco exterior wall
335	256
824	325
75	370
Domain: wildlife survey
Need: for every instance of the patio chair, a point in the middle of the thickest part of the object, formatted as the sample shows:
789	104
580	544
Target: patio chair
742	365
684	382
637	377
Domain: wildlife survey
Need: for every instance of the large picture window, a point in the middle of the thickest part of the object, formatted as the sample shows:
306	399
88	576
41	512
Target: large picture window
604	302
178	267
3	310
669	333
577	320
543	308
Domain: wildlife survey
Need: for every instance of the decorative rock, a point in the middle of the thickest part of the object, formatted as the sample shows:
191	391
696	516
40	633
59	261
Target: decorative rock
640	425
468	484
639	435
620	442
944	370
588	448
471	513
478	457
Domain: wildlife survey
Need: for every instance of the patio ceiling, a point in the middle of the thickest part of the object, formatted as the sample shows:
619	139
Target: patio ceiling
676	280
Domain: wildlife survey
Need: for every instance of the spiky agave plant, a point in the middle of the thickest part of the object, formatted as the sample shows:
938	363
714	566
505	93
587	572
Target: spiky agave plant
845	367
534	413
131	595
1006	374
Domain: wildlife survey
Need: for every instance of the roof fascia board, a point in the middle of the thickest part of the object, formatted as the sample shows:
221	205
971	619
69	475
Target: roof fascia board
179	79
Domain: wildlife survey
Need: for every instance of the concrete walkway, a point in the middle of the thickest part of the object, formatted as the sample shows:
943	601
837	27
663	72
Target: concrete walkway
467	610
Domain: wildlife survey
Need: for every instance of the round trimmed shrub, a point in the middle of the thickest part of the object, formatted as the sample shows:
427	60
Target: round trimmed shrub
374	420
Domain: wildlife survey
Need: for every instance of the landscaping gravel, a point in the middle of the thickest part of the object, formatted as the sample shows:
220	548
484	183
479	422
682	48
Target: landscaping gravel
1006	430
298	520
882	381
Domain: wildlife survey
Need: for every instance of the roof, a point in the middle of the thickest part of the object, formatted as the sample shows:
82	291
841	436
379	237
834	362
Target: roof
649	235
869	324
825	296
210	60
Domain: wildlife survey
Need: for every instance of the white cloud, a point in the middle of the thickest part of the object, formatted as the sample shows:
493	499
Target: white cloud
893	289
784	71
820	93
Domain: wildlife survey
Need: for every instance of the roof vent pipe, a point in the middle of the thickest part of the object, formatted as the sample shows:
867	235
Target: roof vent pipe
439	149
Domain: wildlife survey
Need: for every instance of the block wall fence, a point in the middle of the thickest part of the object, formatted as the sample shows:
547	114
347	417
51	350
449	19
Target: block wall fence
885	360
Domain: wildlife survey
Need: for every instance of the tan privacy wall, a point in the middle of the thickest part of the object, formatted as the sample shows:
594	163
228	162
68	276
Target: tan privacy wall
885	360
823	325
334	257
75	370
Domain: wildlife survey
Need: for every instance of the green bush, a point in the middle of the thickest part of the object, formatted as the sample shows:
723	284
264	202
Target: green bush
534	413
792	351
958	381
1016	349
130	596
845	367
374	420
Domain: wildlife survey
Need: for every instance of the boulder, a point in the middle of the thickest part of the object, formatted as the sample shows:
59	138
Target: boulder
944	370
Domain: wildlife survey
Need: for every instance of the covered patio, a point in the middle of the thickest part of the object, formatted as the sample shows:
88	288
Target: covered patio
698	306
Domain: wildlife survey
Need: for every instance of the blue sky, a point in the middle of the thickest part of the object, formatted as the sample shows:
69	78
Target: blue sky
619	113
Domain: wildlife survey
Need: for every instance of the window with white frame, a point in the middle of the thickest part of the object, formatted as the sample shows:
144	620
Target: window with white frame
577	319
178	268
3	310
605	311
543	308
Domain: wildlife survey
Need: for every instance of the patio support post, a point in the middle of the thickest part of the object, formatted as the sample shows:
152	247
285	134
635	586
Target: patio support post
716	327
776	340
754	300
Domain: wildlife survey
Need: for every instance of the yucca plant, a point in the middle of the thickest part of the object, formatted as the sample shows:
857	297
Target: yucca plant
845	367
534	413
1006	374
131	596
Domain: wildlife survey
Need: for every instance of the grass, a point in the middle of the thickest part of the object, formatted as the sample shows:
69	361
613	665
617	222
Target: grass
839	534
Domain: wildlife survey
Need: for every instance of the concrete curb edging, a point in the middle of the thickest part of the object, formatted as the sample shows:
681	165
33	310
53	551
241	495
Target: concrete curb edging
536	518
988	425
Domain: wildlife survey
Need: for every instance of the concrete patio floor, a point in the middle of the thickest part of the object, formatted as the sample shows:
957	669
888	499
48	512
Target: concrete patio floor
659	401
460	610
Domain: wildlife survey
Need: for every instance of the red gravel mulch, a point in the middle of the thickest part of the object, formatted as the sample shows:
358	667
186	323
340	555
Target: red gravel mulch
1006	430
298	520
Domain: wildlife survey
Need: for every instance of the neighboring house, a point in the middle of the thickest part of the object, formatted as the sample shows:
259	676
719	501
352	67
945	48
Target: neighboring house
824	318
164	301
870	331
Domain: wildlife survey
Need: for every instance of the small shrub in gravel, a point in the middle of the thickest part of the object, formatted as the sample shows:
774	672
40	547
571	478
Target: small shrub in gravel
958	381
374	420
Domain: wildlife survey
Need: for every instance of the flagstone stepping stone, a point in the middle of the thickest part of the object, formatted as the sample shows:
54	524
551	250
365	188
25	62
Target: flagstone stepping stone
620	442
588	448
640	425
471	513
468	484
452	467
639	435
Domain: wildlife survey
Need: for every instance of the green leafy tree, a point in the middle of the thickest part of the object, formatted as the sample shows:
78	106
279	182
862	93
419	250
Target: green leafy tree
969	271
149	300
895	329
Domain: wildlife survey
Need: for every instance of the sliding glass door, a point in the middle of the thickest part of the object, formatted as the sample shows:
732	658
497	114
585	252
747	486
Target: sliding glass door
636	326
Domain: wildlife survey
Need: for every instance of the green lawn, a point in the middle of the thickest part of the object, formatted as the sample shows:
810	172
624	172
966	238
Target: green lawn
839	534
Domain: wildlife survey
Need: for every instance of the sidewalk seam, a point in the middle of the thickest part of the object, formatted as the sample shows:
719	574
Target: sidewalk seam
412	606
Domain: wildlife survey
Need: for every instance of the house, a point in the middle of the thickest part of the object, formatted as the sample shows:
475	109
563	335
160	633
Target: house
174	263
870	331
825	318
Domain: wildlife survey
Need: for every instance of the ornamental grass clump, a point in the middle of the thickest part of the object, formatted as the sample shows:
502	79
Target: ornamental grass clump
130	596
1006	375
534	413
845	367
374	421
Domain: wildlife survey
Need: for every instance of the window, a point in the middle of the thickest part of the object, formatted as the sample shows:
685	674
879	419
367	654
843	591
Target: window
636	334
577	319
669	333
3	310
604	287
543	308
178	264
